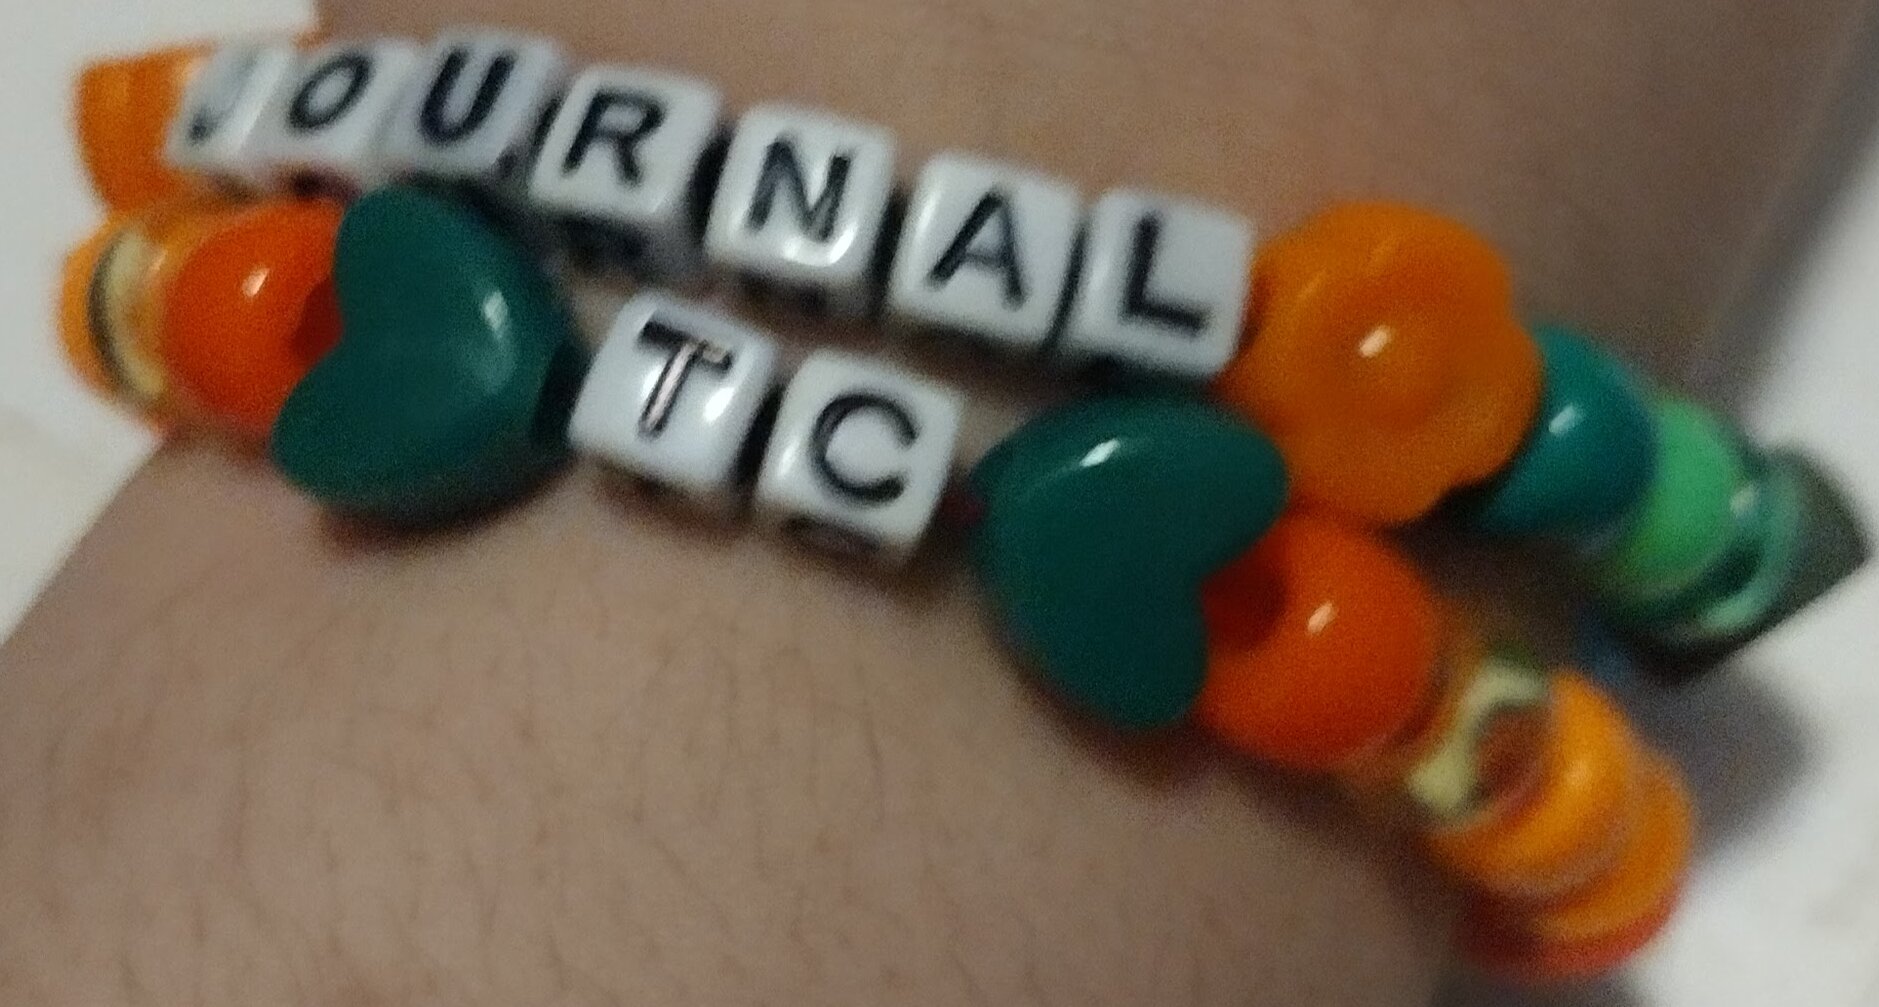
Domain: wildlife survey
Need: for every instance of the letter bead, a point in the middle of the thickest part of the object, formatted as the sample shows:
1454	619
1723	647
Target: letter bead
218	131
801	203
618	163
673	394
1163	286
471	110
860	455
985	251
325	124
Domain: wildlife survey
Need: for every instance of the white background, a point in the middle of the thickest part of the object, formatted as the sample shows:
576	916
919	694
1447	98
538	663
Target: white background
1784	904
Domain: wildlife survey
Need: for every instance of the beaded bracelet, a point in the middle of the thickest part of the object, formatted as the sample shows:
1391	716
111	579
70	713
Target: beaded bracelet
1138	548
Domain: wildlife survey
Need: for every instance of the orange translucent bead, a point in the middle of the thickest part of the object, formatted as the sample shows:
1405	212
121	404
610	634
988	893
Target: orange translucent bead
1573	823
1514	955
201	313
1646	873
1383	355
124	109
1322	646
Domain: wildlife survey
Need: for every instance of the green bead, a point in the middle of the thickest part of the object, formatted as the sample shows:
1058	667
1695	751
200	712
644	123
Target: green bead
456	368
1688	517
1589	456
1101	521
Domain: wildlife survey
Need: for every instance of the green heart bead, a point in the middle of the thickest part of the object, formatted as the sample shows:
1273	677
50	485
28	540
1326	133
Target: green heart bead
454	374
1589	456
1101	522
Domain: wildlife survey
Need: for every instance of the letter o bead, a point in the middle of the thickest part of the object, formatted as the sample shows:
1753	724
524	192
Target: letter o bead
859	456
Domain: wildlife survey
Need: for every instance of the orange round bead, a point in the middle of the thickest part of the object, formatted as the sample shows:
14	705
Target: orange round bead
124	109
1322	646
251	309
1383	355
1572	825
1516	956
204	314
1647	871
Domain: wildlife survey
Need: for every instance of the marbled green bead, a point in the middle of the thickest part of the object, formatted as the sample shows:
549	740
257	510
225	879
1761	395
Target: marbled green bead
1101	521
1589	456
456	365
1688	516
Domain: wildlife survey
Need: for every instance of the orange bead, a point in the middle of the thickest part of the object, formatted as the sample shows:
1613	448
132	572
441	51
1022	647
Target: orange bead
201	313
1516	956
124	109
251	310
1572	825
1322	646
1383	355
1647	873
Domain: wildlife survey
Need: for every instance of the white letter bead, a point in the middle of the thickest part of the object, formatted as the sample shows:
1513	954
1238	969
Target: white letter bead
1164	285
672	396
325	125
219	130
859	456
801	202
985	251
471	108
618	163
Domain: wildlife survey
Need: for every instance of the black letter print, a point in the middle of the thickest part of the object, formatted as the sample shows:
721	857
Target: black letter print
622	118
1002	255
873	491
684	351
780	167
312	109
1138	302
433	119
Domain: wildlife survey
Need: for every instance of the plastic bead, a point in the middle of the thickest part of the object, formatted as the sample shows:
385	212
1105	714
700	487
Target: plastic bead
1687	517
1322	646
1575	819
124	110
1384	358
450	388
202	314
1590	453
1100	521
1512	956
1491	747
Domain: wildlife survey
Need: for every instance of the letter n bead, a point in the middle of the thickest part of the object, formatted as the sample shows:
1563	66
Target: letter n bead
617	168
1163	286
471	110
801	203
859	456
325	125
673	394
219	131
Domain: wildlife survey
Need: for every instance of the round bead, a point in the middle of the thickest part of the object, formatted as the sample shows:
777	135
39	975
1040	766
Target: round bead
1578	814
1322	646
1688	516
1099	522
450	388
1588	457
1384	357
1647	872
250	310
124	110
1512	955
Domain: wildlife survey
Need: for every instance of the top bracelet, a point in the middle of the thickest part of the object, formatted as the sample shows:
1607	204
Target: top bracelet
1389	366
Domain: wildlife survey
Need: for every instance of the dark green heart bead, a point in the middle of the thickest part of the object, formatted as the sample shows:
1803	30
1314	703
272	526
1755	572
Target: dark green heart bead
455	370
1589	456
1101	521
